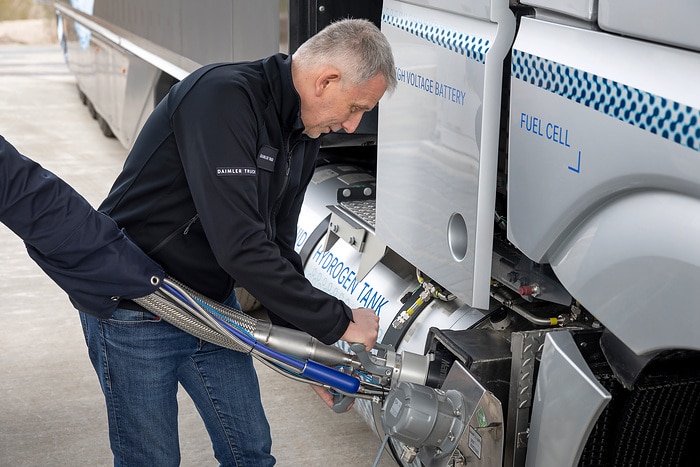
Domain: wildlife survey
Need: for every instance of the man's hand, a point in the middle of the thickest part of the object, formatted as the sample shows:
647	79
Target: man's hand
327	397
364	328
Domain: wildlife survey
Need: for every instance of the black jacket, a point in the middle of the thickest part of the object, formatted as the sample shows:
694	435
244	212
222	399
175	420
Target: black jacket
213	187
82	250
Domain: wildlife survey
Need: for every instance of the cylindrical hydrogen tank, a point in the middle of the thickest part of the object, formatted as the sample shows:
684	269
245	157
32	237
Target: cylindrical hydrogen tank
335	272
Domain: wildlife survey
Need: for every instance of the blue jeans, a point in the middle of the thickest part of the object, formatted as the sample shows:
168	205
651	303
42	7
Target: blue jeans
139	360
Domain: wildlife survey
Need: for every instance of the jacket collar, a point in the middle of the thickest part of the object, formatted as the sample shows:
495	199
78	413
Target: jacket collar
278	68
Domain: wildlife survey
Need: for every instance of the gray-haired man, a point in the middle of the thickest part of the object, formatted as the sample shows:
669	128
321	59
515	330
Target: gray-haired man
212	191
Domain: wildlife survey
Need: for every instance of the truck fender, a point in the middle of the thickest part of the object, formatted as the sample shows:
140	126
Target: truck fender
635	265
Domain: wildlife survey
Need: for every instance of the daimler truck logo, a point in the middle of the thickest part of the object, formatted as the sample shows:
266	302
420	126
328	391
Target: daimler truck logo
234	171
266	158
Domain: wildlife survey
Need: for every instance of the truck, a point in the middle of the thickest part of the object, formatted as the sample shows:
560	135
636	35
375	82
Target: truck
522	212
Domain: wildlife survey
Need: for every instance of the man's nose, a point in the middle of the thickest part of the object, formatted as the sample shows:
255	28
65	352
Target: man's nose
350	125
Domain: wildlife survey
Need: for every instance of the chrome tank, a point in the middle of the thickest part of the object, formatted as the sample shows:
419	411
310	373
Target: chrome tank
335	272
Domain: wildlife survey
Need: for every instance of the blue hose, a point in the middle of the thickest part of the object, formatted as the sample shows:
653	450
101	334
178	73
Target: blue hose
333	378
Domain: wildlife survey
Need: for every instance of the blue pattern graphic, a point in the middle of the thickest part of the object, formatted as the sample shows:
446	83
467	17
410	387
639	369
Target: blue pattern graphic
472	47
669	119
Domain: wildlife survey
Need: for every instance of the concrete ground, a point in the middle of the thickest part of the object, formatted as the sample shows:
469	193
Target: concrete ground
51	408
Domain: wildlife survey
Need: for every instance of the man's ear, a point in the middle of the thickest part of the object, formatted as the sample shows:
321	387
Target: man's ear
329	77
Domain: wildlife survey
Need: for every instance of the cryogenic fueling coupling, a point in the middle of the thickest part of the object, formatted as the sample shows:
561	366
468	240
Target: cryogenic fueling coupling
389	367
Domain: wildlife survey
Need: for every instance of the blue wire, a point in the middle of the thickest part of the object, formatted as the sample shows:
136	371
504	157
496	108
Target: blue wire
216	314
177	294
367	377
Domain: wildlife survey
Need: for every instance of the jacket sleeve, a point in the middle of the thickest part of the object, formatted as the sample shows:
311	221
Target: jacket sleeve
216	128
80	249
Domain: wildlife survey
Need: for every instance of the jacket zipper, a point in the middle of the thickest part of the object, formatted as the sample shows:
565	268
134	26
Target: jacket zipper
184	228
278	201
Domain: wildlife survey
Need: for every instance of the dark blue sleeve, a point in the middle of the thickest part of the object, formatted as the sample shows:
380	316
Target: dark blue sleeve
79	248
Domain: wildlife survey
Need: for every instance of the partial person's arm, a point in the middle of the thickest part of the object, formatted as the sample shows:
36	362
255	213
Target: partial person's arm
80	249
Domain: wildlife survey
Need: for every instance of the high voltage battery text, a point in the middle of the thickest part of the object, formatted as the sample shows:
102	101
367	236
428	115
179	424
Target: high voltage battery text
431	86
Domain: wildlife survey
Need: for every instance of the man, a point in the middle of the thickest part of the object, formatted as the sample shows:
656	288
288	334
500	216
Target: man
212	191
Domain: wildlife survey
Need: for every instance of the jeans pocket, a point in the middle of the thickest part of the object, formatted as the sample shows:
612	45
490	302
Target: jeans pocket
132	317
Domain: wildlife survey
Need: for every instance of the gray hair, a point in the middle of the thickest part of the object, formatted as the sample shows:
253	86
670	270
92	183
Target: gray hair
355	46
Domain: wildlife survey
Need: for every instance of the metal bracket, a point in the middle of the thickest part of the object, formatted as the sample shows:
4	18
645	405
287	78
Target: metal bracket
343	226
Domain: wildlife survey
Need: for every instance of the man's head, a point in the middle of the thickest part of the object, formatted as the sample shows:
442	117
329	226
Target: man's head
341	73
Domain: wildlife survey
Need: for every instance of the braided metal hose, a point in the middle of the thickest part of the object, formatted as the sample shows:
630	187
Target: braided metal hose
159	304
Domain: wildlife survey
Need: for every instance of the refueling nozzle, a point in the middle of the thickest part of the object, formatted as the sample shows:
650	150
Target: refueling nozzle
302	345
391	367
